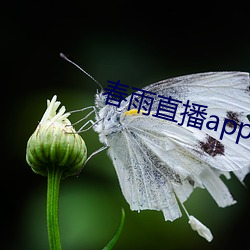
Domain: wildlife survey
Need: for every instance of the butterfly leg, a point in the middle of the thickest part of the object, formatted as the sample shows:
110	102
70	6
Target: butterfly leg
86	116
91	155
81	129
96	152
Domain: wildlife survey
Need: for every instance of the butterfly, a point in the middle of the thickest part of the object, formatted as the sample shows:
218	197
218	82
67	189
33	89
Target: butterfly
160	162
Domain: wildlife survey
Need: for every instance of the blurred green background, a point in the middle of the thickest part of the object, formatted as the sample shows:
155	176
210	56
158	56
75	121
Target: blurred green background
137	43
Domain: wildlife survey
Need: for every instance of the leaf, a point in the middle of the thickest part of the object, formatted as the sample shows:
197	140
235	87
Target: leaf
117	234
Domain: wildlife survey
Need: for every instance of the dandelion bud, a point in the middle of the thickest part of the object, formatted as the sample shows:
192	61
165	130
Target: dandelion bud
55	143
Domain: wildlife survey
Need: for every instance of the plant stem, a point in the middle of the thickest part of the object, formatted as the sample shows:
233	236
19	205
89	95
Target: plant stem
54	177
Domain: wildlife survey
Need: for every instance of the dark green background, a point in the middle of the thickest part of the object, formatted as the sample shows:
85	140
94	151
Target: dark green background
137	43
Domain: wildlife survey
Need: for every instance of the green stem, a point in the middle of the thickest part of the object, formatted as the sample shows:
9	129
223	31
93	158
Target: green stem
54	177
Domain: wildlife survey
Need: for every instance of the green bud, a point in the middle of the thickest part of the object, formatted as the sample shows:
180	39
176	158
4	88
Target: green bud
55	144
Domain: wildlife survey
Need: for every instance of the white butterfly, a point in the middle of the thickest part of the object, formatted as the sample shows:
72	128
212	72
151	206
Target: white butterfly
159	163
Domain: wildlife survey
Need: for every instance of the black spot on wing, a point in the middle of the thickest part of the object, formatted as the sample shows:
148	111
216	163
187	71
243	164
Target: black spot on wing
212	146
235	116
191	181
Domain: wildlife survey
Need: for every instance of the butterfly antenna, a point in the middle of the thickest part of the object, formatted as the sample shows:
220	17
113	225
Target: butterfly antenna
68	60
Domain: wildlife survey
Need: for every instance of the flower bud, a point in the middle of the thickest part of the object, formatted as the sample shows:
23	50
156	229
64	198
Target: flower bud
55	144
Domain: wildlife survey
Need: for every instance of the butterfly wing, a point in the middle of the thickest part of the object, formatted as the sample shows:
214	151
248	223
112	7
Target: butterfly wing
153	168
157	160
226	95
141	184
215	89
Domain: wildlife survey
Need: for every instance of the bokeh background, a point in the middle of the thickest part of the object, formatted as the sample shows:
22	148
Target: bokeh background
137	43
